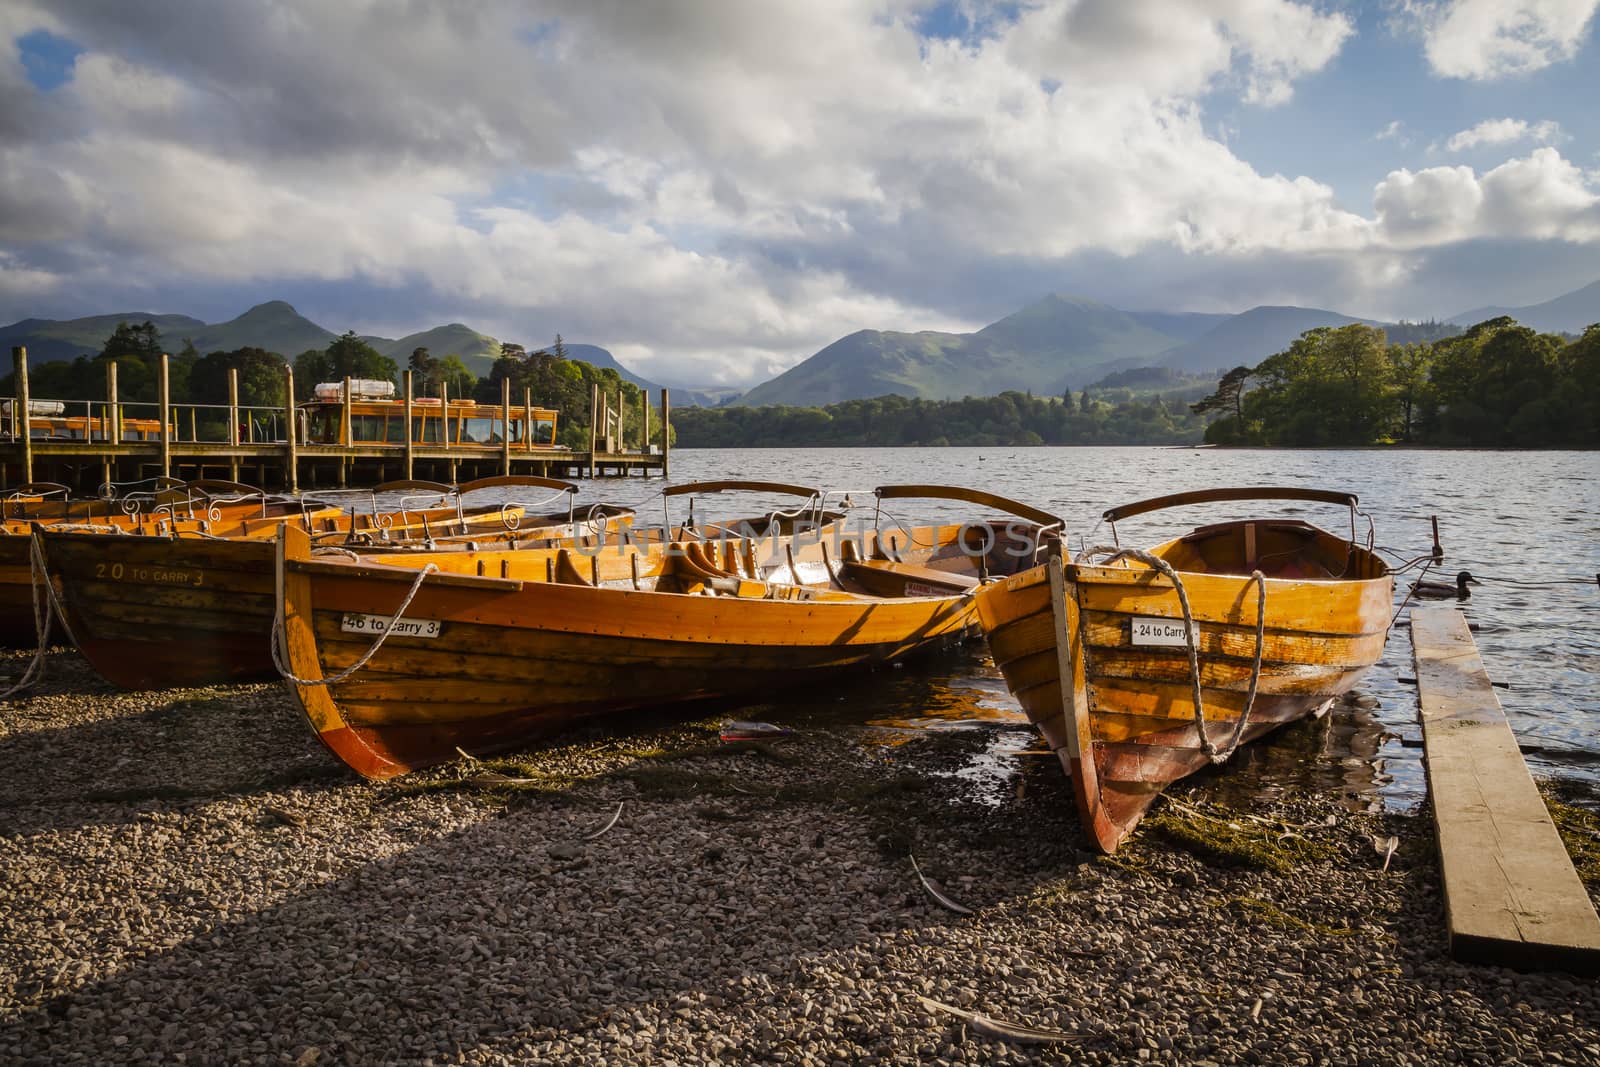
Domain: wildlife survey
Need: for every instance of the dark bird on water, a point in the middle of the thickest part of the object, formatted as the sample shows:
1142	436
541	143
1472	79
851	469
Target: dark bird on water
1441	591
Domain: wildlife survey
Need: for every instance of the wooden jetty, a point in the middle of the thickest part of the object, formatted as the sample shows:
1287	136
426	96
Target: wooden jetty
1511	894
113	440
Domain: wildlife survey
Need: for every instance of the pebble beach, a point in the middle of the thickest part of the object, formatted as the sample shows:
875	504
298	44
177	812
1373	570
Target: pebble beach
190	878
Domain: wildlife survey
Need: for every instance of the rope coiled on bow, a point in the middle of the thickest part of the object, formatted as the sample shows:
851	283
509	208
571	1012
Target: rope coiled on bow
1160	565
279	660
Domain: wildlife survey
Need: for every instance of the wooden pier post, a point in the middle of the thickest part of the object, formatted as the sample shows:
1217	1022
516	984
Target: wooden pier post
444	414
233	422
666	436
527	418
444	428
164	394
644	426
405	379
113	408
345	437
505	425
1511	895
291	466
622	427
22	412
594	419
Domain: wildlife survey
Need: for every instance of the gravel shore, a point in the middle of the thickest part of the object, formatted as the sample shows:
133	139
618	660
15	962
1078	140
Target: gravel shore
189	878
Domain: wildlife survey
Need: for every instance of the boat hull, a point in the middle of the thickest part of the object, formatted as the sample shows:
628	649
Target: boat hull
16	591
154	612
511	661
1121	716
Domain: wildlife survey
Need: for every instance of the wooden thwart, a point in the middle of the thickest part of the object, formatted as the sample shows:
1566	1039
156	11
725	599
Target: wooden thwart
1512	897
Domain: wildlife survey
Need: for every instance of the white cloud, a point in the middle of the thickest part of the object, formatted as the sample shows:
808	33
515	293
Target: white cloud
686	183
1541	196
1179	49
1395	131
1488	39
1506	131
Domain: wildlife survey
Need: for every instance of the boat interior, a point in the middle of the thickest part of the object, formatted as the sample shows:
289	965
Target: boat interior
1278	548
773	557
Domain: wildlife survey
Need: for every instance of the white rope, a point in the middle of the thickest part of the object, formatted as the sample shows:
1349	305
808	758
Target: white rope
1215	754
279	661
41	625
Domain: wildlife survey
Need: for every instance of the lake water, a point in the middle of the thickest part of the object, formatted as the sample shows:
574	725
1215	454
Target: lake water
1505	516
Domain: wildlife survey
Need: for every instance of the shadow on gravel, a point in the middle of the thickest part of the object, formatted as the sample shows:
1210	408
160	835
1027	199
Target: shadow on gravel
520	929
161	746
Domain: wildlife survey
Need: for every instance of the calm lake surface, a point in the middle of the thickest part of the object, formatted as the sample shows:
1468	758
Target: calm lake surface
1522	516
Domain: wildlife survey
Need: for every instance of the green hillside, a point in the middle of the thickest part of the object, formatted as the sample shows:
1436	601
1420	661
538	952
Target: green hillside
48	340
274	326
1249	337
1571	313
1046	347
477	350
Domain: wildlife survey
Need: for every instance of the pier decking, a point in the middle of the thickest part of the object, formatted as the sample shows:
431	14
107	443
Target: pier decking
113	440
1511	894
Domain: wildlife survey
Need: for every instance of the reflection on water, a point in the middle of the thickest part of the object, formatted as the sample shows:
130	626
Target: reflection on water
1503	515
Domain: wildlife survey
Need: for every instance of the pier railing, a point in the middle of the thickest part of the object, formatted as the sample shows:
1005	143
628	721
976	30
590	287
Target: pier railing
148	434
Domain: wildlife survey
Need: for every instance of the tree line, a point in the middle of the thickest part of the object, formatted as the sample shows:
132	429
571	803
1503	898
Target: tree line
556	381
1012	418
1499	384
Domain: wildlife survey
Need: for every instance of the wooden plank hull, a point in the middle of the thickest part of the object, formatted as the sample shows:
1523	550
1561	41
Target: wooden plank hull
16	591
153	612
1121	716
514	660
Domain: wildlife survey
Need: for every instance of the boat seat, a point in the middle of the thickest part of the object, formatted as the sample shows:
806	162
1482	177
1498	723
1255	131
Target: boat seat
888	578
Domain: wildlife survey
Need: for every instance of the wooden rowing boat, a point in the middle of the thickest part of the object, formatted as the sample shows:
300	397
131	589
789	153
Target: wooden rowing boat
188	610
183	609
1098	654
230	510
397	668
189	514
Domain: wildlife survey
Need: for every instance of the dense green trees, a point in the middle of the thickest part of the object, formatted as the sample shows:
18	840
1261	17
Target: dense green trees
347	357
564	384
260	378
1498	384
1011	418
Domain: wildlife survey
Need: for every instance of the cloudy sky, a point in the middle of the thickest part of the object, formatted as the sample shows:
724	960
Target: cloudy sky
714	189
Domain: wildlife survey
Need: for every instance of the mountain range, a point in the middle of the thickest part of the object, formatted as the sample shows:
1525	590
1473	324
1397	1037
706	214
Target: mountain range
1063	342
277	327
1051	345
1571	313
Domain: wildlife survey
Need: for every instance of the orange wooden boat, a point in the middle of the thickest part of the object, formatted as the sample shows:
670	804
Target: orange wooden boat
1285	618
401	661
182	604
222	509
168	513
191	609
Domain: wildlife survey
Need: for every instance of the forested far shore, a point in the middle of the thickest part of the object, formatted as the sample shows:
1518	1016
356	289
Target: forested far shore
1012	418
1497	385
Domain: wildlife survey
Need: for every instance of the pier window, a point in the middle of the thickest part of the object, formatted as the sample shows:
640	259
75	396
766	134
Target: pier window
367	427
324	428
425	429
544	431
480	431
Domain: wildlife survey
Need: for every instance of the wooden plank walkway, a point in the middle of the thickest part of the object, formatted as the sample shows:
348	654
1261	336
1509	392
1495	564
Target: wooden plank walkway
1511	894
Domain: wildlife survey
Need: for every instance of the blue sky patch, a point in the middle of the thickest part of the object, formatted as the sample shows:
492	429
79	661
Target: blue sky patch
48	59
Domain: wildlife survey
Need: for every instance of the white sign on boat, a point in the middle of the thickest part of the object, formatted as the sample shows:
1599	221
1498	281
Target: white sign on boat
1147	631
377	624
